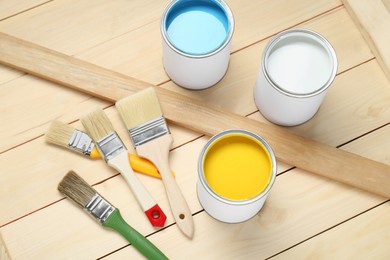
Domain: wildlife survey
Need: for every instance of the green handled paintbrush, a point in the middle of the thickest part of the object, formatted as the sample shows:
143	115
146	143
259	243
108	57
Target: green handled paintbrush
78	190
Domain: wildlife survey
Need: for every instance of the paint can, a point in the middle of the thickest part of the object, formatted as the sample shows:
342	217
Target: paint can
236	171
297	68
196	41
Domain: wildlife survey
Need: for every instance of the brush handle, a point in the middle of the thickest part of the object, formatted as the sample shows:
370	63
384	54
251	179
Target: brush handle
138	164
157	151
103	83
144	166
154	213
149	250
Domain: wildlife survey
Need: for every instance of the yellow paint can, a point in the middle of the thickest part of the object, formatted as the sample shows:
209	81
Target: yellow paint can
236	171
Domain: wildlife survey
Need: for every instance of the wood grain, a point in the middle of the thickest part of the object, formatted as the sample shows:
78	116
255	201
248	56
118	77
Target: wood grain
301	206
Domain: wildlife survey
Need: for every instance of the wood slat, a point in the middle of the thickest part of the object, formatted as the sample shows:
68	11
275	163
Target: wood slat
372	17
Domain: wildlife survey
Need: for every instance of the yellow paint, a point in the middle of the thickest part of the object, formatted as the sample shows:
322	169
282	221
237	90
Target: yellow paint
237	167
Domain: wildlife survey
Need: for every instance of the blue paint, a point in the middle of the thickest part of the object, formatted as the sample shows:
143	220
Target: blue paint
197	27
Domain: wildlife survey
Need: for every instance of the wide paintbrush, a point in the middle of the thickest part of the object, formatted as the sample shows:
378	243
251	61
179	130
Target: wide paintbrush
115	153
78	190
151	138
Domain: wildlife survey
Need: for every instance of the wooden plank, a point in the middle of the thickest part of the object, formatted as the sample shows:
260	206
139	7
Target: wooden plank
372	17
369	233
319	158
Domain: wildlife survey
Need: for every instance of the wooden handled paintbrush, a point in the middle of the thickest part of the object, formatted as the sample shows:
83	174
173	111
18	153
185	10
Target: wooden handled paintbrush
77	141
150	135
78	190
115	153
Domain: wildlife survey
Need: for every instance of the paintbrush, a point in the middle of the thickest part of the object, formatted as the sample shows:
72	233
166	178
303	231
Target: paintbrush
115	153
78	190
151	138
75	140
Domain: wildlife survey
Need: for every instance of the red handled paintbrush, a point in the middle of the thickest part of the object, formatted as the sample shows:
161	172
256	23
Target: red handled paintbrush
115	153
150	135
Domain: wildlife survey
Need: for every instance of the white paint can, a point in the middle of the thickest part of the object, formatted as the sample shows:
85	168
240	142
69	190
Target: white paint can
196	41
236	171
297	68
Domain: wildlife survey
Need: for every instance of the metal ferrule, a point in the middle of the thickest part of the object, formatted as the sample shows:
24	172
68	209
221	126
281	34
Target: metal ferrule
99	208
149	131
81	142
110	146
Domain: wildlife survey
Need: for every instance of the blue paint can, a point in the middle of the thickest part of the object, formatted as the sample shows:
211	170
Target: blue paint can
196	41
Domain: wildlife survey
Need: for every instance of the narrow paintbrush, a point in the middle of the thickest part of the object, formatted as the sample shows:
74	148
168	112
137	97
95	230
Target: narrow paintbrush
115	153
150	135
75	140
78	190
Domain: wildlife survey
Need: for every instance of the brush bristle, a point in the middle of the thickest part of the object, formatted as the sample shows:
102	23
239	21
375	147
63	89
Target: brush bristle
139	108
59	134
75	188
97	124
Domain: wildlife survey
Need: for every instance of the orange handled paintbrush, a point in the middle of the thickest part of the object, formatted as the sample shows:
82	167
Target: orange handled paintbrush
75	140
115	153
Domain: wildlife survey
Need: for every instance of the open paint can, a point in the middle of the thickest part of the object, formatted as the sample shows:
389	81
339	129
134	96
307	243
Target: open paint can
297	68
196	41
236	172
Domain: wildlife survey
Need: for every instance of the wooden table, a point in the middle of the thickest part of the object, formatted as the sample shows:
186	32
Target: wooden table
305	216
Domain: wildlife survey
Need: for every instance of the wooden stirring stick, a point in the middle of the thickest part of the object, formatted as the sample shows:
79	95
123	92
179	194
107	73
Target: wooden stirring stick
290	148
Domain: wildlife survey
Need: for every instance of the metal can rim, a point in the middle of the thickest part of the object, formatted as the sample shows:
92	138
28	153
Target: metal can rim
228	39
230	201
318	36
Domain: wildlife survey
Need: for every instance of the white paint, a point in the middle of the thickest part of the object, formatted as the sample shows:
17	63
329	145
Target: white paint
297	68
299	64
